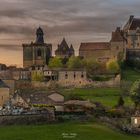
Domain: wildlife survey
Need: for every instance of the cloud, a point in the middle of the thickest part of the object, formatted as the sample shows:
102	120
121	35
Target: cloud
78	20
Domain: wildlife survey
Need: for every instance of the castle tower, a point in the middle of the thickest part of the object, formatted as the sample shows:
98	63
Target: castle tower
39	36
37	53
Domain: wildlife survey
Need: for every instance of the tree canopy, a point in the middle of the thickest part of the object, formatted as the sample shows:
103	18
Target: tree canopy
135	93
55	62
74	62
112	66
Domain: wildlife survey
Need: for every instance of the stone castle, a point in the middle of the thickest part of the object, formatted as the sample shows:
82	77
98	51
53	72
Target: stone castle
124	43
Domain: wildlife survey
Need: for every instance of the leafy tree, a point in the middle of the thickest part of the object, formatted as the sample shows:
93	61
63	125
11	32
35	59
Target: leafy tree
55	62
74	62
135	93
112	66
120	102
93	67
64	61
37	76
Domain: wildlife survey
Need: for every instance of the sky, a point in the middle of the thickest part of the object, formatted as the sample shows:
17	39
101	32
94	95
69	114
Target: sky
76	20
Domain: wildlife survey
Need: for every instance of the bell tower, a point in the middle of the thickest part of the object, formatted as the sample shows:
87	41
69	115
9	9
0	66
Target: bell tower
37	53
39	36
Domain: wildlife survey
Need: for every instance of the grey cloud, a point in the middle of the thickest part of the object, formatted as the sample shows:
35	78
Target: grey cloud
63	17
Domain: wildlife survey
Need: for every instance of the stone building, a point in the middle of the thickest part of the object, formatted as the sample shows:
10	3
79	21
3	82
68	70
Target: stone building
99	51
64	50
4	93
72	78
131	32
103	51
45	99
38	52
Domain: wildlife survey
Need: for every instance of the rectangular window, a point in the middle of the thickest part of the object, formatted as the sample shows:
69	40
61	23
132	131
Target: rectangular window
74	75
66	76
136	121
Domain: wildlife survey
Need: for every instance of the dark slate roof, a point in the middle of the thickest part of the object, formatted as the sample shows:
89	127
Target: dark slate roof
39	31
132	24
117	35
94	46
2	84
135	23
63	47
39	36
71	48
38	98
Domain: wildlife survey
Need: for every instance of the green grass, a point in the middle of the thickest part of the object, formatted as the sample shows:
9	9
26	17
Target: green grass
107	96
84	131
130	74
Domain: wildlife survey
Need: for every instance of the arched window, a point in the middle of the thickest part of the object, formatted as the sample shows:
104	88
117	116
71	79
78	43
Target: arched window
39	52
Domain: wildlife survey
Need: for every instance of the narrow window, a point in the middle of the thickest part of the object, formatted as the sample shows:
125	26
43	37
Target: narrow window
82	75
66	76
39	53
74	75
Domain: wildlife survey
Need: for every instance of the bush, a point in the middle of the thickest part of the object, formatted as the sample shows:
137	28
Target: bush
116	112
102	77
113	66
135	93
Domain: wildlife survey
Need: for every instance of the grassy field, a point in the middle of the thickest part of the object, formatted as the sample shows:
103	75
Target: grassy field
82	131
131	75
107	96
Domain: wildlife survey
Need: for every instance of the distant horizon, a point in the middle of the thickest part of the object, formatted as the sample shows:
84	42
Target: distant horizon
76	20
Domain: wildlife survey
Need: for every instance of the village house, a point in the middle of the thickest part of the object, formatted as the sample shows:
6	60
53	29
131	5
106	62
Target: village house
135	121
28	100
4	93
72	77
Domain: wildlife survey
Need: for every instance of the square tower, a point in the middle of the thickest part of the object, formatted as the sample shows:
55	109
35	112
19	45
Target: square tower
37	53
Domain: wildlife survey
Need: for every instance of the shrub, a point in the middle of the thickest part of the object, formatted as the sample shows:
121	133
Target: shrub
135	93
112	66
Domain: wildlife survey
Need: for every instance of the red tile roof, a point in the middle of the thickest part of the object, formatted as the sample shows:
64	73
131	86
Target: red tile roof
94	46
117	35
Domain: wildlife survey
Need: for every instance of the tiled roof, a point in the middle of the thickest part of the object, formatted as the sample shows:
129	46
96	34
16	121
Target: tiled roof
2	84
135	23
94	46
38	98
117	35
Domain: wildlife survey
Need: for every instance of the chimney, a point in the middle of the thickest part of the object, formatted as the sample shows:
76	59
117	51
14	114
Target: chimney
118	29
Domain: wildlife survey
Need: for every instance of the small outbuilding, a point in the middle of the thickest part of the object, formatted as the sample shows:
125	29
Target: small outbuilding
135	121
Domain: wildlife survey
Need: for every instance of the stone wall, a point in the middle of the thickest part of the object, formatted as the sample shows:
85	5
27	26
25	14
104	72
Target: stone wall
114	82
26	119
11	85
